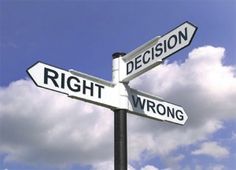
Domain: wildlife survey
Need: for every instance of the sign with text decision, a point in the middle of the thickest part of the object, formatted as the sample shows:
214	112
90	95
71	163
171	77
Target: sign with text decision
74	84
153	53
146	105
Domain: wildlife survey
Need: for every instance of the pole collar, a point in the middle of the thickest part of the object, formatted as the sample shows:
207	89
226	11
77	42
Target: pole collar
118	54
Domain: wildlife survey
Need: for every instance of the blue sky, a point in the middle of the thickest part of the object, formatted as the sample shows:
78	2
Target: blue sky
83	35
66	34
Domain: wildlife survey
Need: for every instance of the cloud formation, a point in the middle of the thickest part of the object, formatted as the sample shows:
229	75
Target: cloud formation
43	127
202	85
212	149
149	167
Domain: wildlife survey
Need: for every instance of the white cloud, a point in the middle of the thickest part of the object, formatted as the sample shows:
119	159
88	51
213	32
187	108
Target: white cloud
217	167
107	165
202	85
149	167
43	127
104	165
212	149
40	126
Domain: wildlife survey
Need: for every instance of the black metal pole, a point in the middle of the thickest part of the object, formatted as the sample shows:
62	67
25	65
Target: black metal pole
120	124
120	131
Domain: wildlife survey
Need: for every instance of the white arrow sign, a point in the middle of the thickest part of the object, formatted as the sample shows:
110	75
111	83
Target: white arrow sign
147	105
155	51
74	84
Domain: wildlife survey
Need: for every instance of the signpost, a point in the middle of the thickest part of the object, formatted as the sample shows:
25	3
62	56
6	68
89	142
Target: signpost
117	95
98	91
152	54
120	119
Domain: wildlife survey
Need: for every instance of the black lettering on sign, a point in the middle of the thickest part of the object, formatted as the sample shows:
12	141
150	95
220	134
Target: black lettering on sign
161	109
150	104
179	115
170	111
146	60
76	86
184	36
138	62
90	88
129	67
172	41
100	87
153	55
165	46
62	80
155	107
138	102
50	74
158	49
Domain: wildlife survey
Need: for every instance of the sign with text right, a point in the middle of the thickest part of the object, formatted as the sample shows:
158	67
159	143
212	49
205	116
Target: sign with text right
74	84
147	57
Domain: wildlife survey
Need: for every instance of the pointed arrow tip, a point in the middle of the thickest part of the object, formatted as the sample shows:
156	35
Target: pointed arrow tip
189	23
30	72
